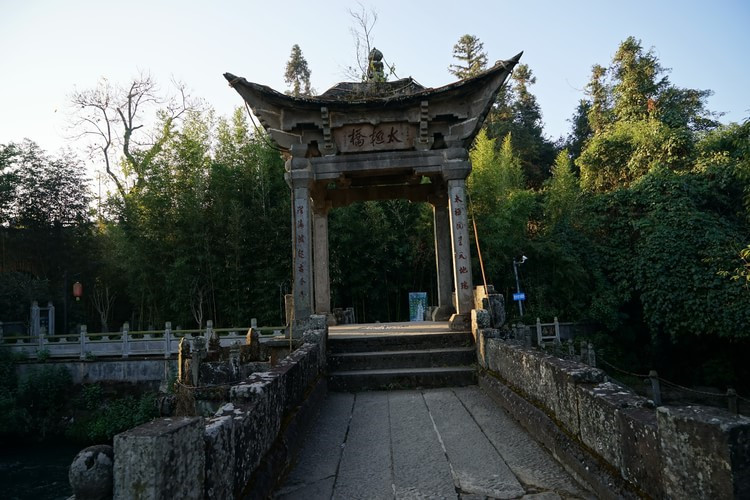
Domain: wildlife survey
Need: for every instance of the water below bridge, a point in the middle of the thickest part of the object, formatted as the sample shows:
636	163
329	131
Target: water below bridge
453	442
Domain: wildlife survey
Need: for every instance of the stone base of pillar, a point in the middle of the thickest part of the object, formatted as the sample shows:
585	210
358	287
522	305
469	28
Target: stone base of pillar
330	319
460	322
443	313
299	326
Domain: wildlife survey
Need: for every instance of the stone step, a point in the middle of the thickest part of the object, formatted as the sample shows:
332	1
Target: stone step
370	343
415	358
402	378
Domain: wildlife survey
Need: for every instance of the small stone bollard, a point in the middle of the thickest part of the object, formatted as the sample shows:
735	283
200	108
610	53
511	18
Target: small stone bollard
90	473
591	355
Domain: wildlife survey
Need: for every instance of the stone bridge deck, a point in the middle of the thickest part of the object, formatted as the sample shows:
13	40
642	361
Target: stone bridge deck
437	443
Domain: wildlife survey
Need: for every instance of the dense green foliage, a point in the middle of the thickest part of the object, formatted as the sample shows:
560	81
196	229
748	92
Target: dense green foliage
44	405
100	416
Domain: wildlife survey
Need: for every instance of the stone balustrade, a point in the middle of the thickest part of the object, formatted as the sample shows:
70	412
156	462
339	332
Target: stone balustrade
123	343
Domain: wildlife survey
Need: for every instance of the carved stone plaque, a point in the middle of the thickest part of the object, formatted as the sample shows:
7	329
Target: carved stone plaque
382	137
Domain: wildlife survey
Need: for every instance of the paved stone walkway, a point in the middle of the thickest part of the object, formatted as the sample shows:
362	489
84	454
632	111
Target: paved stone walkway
437	443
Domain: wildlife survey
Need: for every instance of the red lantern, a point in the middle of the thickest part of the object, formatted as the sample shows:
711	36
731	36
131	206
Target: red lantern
77	290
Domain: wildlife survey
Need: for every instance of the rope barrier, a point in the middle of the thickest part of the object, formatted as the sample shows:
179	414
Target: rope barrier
669	383
683	388
632	374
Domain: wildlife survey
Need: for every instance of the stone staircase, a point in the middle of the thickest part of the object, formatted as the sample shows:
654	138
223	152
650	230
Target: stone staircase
360	363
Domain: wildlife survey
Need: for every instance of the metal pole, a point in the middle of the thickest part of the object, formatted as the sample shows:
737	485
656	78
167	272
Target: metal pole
518	286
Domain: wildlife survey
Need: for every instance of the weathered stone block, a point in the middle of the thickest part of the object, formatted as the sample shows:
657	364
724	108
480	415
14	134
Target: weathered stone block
252	439
641	452
162	459
491	354
220	455
480	319
706	452
443	313
318	322
599	410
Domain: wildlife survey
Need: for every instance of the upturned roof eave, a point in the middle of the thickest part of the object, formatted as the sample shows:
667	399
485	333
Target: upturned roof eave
264	93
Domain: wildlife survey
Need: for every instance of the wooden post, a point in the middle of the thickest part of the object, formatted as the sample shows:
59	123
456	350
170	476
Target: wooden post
655	387
539	331
557	329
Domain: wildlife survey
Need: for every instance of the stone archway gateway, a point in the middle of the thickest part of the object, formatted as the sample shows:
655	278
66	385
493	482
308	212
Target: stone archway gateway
378	140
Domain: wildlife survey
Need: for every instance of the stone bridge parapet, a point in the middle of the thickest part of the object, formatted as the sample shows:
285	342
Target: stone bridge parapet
238	452
596	427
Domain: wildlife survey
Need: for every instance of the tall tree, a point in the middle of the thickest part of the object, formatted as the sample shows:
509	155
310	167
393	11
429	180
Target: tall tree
581	129
114	122
562	190
517	112
297	74
639	120
638	81
599	105
472	59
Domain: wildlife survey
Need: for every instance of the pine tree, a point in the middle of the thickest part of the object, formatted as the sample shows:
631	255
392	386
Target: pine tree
471	57
297	74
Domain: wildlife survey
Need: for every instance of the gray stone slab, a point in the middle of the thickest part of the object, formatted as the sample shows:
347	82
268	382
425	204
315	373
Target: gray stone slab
531	463
477	466
308	491
321	452
365	470
420	467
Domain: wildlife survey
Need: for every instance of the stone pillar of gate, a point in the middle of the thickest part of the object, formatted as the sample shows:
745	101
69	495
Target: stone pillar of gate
443	258
456	169
299	176
321	258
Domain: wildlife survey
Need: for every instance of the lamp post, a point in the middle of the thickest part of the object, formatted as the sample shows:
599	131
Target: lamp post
518	285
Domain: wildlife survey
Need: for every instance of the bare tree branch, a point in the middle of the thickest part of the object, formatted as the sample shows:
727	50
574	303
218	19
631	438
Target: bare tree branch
101	111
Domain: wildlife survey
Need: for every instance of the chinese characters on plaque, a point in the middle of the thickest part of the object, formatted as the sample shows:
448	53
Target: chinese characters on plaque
366	137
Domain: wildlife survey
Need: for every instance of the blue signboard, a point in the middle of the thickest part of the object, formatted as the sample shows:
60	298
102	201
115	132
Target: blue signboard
519	296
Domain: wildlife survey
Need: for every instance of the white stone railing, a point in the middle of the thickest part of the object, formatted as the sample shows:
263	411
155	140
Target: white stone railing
124	343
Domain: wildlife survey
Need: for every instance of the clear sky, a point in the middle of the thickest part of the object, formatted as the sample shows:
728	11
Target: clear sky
51	48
